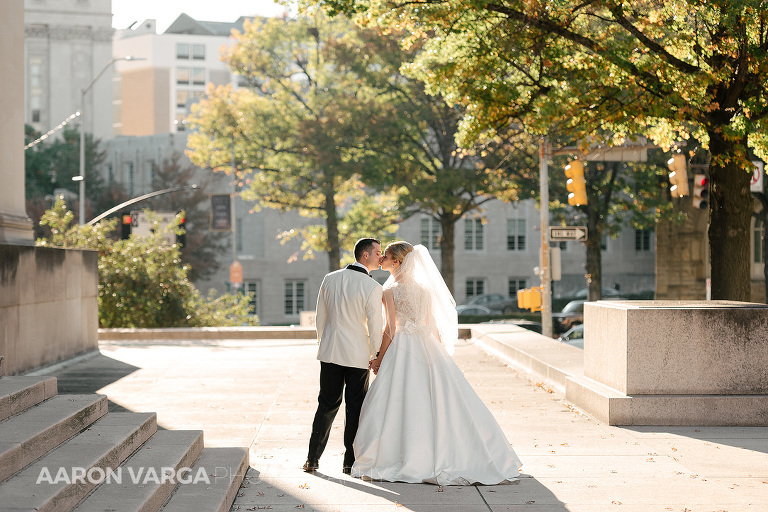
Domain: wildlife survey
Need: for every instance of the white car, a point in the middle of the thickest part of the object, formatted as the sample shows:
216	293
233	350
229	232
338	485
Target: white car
573	336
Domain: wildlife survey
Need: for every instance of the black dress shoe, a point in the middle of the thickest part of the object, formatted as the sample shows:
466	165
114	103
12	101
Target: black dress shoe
311	465
347	470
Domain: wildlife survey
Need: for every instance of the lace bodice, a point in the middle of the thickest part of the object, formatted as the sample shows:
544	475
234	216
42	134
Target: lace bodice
411	304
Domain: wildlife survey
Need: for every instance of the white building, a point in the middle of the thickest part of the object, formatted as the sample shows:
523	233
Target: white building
67	43
153	96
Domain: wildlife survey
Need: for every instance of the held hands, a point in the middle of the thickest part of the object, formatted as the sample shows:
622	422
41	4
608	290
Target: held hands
375	364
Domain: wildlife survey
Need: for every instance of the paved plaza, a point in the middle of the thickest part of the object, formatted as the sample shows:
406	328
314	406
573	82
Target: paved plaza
262	394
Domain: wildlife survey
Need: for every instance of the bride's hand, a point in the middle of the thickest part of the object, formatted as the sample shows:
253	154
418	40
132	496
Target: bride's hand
375	364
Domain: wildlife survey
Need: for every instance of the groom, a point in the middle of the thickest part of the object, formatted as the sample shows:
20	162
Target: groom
349	329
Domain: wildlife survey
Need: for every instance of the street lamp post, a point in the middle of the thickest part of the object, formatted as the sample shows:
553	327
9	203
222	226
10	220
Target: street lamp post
81	177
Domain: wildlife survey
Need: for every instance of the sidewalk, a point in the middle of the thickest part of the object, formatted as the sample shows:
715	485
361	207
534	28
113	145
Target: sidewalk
262	394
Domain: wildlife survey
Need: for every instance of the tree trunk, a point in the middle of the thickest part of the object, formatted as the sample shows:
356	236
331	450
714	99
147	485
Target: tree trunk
447	249
332	227
730	211
594	258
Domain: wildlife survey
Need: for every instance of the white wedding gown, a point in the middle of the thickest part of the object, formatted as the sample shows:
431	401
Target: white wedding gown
421	421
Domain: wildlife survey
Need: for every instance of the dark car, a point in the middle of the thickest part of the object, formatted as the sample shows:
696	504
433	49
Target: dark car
493	301
572	314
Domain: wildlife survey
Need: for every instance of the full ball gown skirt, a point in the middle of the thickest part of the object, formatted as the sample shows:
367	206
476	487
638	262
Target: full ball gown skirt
421	421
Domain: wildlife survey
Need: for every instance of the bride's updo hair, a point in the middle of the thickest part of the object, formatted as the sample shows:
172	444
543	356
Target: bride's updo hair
398	250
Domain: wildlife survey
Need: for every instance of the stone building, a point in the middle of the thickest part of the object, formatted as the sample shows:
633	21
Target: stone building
66	45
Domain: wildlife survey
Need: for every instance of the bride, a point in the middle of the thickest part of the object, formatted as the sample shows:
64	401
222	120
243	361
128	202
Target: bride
421	421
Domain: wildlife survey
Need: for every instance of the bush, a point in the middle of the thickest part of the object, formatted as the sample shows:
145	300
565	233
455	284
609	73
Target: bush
142	282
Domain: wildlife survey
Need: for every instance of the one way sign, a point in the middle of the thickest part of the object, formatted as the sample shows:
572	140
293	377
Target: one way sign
568	233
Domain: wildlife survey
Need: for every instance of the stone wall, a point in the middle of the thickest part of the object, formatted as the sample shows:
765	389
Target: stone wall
48	305
682	266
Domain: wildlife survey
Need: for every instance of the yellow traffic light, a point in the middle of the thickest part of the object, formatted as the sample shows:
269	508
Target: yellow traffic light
678	175
576	184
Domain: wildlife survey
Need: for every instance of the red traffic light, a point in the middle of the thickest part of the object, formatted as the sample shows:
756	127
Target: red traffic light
701	181
127	219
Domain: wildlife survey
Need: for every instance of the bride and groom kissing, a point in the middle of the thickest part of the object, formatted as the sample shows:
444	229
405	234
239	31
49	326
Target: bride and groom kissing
420	421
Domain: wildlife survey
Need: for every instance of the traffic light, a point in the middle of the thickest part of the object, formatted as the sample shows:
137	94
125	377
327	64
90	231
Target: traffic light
576	184
678	175
125	226
181	235
700	191
529	298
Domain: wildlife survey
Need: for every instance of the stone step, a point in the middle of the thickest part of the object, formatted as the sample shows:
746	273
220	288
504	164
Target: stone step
225	469
143	487
27	436
51	483
20	393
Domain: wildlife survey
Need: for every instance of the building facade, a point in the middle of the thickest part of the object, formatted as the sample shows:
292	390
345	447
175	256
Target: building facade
67	43
154	96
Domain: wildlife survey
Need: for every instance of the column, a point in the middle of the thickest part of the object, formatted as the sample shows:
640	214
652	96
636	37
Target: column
15	226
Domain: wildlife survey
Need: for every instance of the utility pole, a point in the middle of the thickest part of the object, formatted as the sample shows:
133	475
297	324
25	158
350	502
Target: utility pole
546	282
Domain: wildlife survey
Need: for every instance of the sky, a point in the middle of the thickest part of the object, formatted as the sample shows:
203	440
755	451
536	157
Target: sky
125	12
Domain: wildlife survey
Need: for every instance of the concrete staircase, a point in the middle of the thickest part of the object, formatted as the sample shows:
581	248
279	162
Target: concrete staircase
64	452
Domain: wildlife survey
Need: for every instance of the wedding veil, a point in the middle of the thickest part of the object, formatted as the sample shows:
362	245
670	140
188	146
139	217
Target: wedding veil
418	265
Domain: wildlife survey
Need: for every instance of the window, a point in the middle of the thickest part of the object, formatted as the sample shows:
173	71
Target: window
252	289
473	234
759	233
180	122
643	239
181	98
182	51
604	242
294	297
198	52
431	231
515	284
182	76
198	76
475	287
515	234
152	170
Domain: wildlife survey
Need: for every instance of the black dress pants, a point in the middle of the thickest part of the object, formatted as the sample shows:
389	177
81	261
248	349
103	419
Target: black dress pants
333	378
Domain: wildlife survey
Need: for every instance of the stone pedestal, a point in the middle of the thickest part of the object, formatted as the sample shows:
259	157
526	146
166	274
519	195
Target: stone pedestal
675	362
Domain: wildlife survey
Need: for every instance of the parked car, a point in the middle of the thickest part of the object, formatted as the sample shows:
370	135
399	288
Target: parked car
474	310
605	292
573	336
493	301
572	314
527	324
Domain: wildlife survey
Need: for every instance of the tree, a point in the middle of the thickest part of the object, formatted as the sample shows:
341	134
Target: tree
203	246
298	135
52	163
667	69
142	282
429	173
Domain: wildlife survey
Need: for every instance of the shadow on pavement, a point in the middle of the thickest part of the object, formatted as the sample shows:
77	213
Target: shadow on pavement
747	438
263	491
91	375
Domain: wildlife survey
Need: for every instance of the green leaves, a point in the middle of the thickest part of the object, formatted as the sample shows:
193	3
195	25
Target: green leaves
142	282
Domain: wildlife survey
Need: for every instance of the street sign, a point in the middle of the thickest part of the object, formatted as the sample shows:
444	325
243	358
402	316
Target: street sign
568	233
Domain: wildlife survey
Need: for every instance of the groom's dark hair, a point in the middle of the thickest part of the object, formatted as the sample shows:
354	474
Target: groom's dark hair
363	245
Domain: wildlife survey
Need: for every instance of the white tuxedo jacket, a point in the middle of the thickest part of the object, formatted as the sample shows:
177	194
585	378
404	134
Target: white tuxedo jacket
349	318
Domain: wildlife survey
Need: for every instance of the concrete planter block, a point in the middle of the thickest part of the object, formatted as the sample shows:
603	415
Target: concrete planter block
677	347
